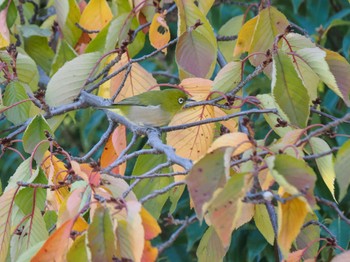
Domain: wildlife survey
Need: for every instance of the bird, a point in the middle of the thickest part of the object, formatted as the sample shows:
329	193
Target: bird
152	108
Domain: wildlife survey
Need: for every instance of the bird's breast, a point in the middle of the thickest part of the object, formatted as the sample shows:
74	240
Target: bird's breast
148	115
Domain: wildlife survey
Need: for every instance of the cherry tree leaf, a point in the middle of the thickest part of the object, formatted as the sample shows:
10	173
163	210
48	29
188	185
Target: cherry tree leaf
228	77
345	256
78	250
4	31
342	166
96	16
159	33
65	86
263	223
150	224
291	216
289	91
101	236
210	247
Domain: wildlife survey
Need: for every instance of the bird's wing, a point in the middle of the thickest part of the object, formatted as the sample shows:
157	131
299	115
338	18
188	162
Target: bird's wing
144	99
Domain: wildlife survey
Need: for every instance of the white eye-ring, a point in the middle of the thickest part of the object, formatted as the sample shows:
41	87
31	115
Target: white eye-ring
181	100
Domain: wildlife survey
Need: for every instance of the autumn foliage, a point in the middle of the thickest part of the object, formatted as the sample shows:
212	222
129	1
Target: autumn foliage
255	169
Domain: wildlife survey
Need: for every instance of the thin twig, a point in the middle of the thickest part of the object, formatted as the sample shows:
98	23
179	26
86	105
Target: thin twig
333	206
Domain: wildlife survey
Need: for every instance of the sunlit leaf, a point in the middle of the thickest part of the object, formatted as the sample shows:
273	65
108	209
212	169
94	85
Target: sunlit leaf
325	164
4	31
96	16
245	36
228	77
198	88
291	216
238	142
101	236
64	86
210	247
289	91
34	135
159	33
263	223
342	166
150	253
57	244
138	80
150	224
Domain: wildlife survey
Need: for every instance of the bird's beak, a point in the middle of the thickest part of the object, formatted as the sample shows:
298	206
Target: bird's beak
190	100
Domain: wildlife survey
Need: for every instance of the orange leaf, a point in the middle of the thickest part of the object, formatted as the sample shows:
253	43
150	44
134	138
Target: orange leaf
296	256
137	82
150	224
86	172
238	141
56	246
159	34
115	145
199	88
96	16
150	253
291	216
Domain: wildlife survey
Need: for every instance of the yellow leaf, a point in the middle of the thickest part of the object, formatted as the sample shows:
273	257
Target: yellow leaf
137	82
291	216
96	16
192	142
159	33
199	88
263	223
230	124
245	37
4	31
150	253
238	141
150	224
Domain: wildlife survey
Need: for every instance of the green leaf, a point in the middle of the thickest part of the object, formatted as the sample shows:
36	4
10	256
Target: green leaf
15	92
294	175
210	247
342	167
325	164
64	54
27	71
263	223
230	28
35	134
228	77
101	236
22	173
207	175
68	14
69	80
289	91
78	251
143	164
50	218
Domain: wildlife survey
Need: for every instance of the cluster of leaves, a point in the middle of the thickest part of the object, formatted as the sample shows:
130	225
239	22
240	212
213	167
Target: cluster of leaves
253	154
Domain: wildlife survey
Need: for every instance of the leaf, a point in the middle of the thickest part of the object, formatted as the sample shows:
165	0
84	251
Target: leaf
57	244
27	71
207	175
230	28
345	256
159	34
307	236
226	211
68	14
270	23
34	135
4	31
150	224
14	93
205	5
295	256
289	91
65	86
77	251
291	216
342	166
150	253
22	173
113	148
116	187
239	142
192	142
294	175
267	102
210	247
101	237
6	202
137	82
130	233
263	223
340	68
325	164
198	88
228	77
245	37
197	58
195	55
95	16
63	54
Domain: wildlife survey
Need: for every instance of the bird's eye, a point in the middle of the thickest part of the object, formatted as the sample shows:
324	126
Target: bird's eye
181	100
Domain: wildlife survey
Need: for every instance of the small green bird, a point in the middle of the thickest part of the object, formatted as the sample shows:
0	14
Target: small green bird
153	108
